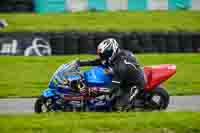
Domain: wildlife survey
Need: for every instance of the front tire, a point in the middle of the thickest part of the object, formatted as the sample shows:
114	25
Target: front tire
41	105
158	99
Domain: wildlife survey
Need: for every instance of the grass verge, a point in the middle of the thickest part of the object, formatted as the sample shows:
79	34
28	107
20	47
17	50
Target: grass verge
179	122
28	76
104	21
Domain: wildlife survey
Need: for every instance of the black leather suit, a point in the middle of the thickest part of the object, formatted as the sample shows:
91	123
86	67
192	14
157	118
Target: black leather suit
127	73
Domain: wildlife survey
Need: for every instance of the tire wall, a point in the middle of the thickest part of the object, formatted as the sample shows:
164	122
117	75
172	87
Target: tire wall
63	43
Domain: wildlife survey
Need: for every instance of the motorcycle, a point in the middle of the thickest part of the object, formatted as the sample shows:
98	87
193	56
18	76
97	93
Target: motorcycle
91	90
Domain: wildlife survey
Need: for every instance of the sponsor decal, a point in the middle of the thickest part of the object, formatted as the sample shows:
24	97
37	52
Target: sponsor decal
9	48
39	47
28	47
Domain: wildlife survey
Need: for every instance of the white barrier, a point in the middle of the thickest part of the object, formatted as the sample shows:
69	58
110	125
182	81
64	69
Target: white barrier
157	4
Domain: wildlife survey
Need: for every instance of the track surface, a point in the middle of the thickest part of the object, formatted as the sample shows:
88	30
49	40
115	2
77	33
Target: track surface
25	105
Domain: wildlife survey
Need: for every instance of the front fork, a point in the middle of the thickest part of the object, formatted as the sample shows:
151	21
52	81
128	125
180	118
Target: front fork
54	101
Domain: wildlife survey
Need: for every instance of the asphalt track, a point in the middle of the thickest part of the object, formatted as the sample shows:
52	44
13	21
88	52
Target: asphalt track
25	105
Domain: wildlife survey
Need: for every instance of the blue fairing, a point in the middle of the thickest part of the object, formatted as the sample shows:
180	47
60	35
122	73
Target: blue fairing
97	76
73	77
52	92
48	92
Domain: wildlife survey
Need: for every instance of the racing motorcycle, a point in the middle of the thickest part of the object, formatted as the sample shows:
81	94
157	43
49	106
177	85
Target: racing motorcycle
91	90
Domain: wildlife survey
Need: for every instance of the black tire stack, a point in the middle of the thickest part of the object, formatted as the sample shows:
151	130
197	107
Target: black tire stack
63	43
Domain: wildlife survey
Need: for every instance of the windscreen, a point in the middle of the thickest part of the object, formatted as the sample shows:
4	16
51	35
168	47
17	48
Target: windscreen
67	71
72	69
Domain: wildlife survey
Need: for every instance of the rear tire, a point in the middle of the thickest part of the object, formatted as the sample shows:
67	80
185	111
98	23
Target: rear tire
158	99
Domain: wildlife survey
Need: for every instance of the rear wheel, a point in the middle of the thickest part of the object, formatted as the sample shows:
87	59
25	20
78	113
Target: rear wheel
158	99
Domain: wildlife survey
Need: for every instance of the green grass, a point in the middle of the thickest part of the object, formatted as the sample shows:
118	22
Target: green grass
102	123
28	76
105	21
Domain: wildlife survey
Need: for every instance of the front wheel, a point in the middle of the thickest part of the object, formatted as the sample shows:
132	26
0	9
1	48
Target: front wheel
158	99
42	104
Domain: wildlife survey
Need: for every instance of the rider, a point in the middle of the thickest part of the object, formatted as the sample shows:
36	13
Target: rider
128	75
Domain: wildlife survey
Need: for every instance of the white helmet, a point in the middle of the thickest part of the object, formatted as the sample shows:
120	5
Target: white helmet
107	48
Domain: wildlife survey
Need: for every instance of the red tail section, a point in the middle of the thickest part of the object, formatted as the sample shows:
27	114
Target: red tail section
155	75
